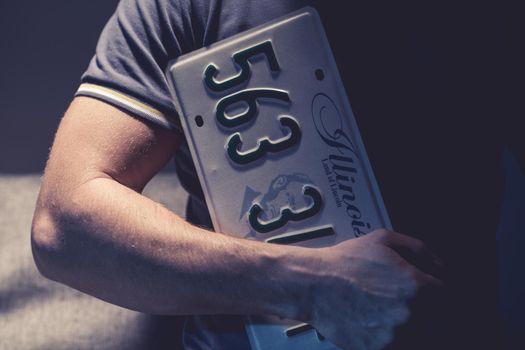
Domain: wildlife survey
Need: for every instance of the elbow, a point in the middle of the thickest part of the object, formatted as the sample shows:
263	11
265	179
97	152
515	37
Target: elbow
47	244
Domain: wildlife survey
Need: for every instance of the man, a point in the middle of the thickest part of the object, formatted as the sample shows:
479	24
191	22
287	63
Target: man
423	88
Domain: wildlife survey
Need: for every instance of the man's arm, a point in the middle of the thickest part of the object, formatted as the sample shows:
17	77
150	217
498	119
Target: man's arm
94	231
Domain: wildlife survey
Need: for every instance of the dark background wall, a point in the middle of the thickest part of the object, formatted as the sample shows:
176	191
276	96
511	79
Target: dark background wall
44	48
46	45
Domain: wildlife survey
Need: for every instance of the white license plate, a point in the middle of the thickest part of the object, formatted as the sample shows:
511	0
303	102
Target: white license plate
276	147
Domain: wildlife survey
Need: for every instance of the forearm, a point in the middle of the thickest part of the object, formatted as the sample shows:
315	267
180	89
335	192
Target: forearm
118	245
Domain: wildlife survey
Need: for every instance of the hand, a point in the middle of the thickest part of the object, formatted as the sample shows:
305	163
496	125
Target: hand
365	287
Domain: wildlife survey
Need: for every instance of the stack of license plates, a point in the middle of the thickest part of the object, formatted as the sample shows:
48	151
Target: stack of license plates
276	147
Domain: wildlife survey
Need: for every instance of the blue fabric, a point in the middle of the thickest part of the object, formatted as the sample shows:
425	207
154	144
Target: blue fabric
224	332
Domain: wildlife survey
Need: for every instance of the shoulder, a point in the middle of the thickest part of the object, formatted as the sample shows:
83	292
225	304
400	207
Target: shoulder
214	20
197	23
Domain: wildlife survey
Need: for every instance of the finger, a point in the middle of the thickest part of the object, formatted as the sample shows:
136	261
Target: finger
430	280
416	252
417	280
422	278
398	240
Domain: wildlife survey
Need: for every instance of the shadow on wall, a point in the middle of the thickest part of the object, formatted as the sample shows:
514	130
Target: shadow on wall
45	47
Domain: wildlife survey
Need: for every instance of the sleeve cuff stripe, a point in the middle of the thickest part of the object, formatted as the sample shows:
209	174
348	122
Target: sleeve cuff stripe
124	101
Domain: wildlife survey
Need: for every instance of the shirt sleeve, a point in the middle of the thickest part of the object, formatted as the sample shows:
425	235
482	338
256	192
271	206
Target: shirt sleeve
132	54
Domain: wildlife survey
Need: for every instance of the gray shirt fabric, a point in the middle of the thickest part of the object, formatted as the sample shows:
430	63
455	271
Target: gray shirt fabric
432	89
